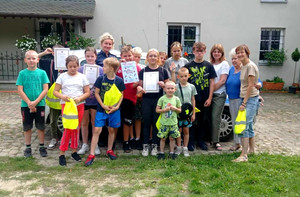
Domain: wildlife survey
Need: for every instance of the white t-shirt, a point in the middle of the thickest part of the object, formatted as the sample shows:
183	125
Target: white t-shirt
72	86
222	68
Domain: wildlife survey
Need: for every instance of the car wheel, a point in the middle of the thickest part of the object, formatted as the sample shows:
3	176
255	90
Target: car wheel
60	127
226	127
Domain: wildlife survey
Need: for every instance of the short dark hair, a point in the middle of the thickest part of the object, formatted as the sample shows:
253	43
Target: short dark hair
72	58
199	45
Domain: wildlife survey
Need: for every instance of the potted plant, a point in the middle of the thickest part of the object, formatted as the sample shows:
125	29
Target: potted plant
26	43
276	83
275	57
50	40
295	57
79	42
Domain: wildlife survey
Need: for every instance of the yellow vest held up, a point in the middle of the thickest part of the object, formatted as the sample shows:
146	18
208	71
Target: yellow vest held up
51	100
240	122
70	115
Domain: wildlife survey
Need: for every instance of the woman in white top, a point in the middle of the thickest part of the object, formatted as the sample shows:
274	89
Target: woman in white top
217	59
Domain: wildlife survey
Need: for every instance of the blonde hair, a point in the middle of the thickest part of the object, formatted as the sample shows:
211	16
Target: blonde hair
170	83
137	50
112	62
221	49
156	51
183	70
31	51
107	36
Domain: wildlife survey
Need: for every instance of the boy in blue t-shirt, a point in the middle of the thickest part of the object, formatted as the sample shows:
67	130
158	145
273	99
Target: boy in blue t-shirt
32	85
110	114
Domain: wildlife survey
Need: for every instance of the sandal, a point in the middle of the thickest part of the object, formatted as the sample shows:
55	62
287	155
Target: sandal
235	148
218	147
241	159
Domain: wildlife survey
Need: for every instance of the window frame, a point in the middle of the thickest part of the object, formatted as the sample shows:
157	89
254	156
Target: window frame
183	26
270	40
273	1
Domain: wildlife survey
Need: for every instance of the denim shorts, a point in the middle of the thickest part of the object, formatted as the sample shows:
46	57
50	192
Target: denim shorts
251	109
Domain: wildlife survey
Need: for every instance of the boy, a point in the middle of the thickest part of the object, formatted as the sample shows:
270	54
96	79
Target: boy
110	114
168	106
186	95
129	101
202	75
32	85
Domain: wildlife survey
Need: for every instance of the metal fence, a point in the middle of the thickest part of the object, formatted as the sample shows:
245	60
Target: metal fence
10	65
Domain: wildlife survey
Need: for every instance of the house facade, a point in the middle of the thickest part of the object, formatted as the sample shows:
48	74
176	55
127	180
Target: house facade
263	25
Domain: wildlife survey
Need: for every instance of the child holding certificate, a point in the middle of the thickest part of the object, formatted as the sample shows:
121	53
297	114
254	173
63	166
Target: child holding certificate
128	71
90	106
152	81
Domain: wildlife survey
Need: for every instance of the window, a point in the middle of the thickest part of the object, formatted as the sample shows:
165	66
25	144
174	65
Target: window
186	34
270	39
273	1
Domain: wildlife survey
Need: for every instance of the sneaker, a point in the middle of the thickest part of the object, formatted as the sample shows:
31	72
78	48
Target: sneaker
154	151
52	144
161	156
27	153
126	147
97	150
172	156
84	148
191	147
43	152
132	144
89	161
138	144
75	156
202	145
111	155
145	152
178	150
186	152
62	160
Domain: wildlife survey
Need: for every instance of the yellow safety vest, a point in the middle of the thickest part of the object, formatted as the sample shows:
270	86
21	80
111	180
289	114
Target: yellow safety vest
51	100
240	122
70	115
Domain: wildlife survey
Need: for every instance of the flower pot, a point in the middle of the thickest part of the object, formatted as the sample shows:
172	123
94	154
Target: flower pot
272	85
296	85
292	89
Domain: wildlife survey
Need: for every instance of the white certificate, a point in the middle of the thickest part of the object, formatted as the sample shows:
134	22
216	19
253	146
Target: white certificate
60	55
129	72
150	82
91	72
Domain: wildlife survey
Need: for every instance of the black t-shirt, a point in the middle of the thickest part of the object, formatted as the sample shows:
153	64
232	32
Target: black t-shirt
201	73
163	75
104	84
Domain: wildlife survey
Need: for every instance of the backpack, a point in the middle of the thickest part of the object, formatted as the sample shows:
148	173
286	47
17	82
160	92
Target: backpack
186	108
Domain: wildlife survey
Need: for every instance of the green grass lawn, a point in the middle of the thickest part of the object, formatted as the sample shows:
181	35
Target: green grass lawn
203	175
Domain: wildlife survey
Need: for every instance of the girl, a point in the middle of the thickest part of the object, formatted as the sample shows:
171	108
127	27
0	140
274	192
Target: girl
217	59
72	85
149	101
175	61
249	99
106	44
90	106
163	57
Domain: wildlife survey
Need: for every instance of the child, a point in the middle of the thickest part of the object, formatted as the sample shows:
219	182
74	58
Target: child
103	84
129	101
163	57
32	87
90	106
186	95
202	75
76	86
168	106
136	143
175	61
150	99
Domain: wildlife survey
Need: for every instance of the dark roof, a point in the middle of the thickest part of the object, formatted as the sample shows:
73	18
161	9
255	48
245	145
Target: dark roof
48	8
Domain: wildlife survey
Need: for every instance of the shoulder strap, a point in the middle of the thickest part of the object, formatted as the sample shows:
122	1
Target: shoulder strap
181	92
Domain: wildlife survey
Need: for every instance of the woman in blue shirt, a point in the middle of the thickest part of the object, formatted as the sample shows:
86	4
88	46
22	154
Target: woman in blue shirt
106	44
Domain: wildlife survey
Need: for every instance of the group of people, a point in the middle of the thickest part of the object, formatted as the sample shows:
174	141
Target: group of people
202	85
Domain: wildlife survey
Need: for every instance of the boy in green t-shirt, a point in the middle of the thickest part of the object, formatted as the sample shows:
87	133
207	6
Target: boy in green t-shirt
32	85
168	106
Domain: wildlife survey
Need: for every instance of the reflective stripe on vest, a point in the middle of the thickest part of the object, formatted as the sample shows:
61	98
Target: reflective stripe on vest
70	116
53	100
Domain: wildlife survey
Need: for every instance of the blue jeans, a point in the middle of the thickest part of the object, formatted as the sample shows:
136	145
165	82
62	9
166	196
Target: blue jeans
251	108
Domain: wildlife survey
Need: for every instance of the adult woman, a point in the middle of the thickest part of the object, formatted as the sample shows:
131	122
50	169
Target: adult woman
233	85
249	99
150	99
217	59
106	44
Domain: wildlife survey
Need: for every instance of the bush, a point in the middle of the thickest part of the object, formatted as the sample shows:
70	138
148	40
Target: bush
50	41
79	42
26	43
276	79
275	56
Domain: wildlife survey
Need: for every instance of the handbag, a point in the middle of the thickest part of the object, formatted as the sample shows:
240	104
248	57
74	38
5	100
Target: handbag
186	108
240	122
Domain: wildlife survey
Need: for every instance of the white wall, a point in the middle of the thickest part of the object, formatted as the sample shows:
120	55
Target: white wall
144	23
